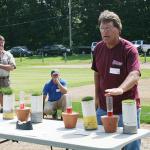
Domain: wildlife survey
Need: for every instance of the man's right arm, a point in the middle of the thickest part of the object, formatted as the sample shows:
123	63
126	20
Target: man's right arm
7	67
97	87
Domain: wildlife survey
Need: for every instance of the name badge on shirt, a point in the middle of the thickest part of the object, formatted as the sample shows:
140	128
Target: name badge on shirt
114	71
57	90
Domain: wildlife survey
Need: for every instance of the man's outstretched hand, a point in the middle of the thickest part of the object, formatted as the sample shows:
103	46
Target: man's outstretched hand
114	91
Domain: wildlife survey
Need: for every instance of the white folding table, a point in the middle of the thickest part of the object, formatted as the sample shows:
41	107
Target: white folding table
53	133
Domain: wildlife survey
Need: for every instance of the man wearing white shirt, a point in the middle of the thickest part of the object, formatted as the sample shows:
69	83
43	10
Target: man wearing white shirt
7	64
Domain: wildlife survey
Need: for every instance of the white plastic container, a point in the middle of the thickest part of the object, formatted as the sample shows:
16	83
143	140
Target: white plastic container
89	114
8	106
129	114
36	109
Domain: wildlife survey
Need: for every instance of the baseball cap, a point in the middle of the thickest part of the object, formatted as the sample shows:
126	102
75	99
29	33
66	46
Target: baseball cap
53	72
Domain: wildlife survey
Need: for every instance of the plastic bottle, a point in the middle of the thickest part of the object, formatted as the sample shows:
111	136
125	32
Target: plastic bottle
69	104
109	104
21	96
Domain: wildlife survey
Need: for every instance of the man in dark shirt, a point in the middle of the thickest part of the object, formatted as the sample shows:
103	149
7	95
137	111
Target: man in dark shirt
116	69
56	90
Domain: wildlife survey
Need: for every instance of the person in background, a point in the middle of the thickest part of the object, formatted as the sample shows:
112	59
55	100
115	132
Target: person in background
56	90
7	64
116	70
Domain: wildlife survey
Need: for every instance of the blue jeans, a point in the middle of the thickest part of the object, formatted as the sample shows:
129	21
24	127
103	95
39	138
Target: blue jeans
135	145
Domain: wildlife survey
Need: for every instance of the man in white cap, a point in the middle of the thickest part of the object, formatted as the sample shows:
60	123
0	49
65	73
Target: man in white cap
56	90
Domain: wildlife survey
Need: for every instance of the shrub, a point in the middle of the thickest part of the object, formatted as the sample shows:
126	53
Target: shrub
6	91
36	93
87	98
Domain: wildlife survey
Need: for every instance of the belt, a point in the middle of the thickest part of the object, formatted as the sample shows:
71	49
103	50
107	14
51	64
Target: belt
5	77
52	100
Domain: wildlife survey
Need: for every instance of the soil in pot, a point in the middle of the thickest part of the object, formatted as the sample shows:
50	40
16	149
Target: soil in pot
23	114
70	119
110	123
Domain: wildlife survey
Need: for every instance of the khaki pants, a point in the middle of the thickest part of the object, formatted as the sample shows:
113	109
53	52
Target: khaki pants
51	107
3	83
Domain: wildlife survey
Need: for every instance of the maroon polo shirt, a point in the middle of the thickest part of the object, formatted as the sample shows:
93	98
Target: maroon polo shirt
113	66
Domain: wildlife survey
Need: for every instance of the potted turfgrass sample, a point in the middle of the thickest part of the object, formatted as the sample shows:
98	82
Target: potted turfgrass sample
89	113
22	111
23	114
69	117
109	121
36	107
8	103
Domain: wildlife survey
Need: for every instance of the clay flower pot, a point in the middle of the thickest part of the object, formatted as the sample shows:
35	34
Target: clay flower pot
110	123
23	114
70	119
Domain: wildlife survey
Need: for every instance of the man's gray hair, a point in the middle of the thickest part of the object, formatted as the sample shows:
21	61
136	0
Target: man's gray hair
109	16
2	38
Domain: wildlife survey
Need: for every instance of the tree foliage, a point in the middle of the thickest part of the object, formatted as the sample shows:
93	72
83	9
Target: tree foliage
39	22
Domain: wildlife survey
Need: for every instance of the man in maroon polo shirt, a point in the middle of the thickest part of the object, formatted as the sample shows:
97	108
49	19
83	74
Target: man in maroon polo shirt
116	70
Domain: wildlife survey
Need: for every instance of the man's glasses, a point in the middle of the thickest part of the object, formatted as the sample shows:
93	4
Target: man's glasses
105	29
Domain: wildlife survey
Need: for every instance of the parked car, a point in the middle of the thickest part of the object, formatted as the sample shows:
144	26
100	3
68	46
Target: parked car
20	51
142	47
93	45
82	49
55	49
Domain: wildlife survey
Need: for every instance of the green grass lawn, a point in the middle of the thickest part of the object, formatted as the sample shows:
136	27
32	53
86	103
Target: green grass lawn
145	113
142	59
145	73
30	76
144	118
38	61
32	73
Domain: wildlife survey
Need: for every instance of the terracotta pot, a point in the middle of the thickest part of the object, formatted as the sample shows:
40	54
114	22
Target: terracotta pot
23	114
70	119
110	123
